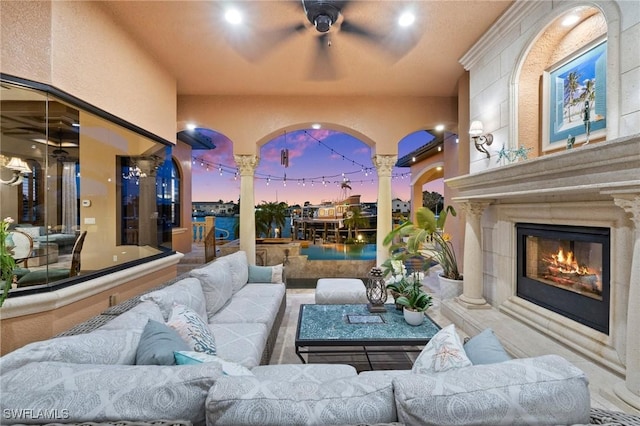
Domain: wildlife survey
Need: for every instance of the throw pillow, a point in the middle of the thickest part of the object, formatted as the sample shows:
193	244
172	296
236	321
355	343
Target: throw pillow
265	274
217	285
485	348
187	291
228	368
32	231
157	344
443	352
192	329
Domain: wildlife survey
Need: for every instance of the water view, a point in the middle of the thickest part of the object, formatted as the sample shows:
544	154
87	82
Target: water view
225	227
340	252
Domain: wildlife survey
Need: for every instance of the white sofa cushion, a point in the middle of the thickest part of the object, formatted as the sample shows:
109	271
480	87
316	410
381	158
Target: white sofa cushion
248	310
97	347
217	285
262	290
109	393
252	401
315	373
187	291
238	266
135	318
546	390
241	343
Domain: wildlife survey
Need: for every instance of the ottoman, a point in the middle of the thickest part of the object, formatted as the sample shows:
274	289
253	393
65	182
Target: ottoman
338	291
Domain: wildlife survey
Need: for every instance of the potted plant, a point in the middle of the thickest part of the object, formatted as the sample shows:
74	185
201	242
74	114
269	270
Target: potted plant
414	301
397	280
7	263
426	239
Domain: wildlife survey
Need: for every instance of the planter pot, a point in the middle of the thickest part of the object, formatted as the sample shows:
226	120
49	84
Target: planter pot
449	288
413	317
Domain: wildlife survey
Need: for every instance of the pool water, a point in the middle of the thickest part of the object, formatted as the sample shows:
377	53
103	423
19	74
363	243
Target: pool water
340	252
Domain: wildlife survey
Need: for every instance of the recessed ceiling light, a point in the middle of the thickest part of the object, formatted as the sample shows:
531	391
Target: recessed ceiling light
570	20
233	16
406	19
191	126
316	126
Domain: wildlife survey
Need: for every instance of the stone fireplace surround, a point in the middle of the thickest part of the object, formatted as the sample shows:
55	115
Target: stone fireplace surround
594	185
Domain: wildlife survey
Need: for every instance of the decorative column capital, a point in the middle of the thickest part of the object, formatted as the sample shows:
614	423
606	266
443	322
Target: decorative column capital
473	208
246	164
384	164
631	204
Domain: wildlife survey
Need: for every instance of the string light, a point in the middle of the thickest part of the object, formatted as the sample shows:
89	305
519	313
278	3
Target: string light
336	179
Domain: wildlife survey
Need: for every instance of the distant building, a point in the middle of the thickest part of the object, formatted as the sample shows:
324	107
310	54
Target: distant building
399	206
213	208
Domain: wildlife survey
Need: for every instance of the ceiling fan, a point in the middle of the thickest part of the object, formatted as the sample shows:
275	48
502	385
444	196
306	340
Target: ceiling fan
329	20
323	14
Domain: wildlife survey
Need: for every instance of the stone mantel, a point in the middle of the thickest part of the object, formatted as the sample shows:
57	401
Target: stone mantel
593	169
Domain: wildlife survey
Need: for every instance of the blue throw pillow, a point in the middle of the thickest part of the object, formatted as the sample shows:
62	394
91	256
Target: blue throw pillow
158	343
265	274
485	348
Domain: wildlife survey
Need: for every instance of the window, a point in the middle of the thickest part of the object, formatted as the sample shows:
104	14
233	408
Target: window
83	170
175	194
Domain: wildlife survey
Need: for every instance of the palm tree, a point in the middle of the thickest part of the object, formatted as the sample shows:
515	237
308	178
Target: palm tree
354	219
271	213
570	89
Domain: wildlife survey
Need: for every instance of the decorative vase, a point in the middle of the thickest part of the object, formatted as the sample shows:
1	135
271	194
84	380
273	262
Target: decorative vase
413	317
449	288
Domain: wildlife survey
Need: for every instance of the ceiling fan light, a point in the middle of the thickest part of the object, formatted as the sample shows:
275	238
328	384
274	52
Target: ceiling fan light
406	19
233	16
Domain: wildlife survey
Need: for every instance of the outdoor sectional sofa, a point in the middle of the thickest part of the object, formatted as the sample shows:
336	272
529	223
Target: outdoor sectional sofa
96	376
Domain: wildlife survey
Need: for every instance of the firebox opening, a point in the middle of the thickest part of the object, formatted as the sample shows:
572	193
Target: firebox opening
566	269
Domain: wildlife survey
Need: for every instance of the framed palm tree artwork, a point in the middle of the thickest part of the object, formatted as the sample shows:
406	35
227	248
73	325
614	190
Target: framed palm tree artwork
574	98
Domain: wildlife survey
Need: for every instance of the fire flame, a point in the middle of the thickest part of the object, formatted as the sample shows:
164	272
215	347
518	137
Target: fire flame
567	264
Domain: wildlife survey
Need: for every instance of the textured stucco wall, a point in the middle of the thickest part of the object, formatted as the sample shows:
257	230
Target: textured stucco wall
78	48
381	122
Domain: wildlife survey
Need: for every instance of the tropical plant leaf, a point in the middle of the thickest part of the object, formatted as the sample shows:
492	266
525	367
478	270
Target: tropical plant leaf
426	219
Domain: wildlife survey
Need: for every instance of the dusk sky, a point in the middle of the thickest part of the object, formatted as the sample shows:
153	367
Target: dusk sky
314	156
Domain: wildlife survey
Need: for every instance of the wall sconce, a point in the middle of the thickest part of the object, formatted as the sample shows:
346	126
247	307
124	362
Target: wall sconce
480	140
20	168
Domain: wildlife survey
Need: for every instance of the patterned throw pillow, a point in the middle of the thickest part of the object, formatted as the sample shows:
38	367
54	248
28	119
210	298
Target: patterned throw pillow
443	352
228	368
192	329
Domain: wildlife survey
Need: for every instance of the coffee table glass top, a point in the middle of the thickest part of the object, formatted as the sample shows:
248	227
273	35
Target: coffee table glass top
355	323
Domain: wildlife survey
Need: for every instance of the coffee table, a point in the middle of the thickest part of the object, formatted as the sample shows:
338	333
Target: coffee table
352	329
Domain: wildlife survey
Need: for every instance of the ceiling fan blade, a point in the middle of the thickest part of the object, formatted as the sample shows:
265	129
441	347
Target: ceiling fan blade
349	27
323	68
256	46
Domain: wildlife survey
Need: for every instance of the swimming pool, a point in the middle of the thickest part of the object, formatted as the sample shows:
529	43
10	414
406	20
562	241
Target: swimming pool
340	252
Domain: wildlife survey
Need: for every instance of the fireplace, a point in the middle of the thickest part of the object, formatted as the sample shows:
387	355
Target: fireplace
566	269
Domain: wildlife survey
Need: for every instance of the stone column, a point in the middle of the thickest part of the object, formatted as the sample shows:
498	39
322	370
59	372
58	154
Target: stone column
247	166
416	200
472	297
630	391
384	165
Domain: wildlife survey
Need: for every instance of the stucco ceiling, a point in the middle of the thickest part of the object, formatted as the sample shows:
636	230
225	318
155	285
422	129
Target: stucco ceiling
276	51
